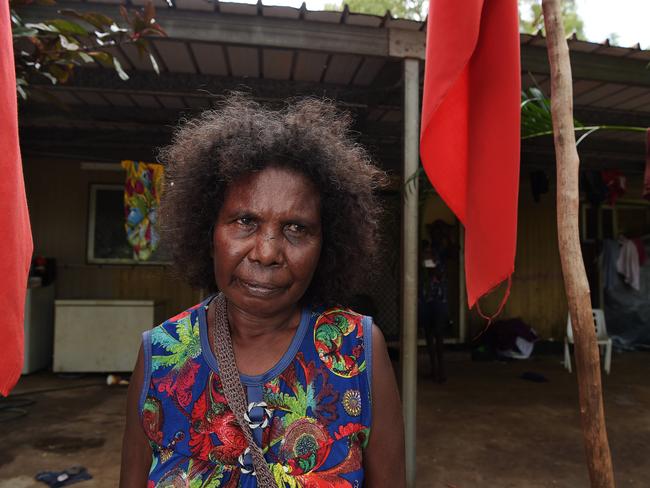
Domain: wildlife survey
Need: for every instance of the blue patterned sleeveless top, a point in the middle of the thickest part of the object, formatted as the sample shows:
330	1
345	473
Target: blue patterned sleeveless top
310	413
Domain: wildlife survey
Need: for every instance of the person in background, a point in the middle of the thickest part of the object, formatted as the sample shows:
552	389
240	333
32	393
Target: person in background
433	304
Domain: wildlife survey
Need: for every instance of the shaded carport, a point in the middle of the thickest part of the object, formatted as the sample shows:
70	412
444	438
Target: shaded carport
369	64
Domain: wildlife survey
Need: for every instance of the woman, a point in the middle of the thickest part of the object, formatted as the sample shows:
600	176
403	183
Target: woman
275	209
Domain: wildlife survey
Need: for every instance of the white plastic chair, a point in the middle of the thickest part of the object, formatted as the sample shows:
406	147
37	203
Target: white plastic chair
604	342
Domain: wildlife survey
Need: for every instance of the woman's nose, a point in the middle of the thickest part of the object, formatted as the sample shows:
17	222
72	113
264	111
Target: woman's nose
267	250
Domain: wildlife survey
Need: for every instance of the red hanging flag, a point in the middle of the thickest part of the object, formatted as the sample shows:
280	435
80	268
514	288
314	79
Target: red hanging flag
469	140
16	243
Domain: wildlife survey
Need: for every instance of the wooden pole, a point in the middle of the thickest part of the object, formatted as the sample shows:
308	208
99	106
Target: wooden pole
592	414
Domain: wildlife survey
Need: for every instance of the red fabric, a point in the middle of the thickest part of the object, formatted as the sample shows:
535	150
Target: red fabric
616	184
16	242
469	141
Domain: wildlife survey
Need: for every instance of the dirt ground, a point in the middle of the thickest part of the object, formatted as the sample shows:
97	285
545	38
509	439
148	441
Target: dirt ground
485	427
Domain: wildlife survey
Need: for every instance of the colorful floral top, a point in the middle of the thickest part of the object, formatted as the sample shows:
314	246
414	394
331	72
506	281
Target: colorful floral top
310	413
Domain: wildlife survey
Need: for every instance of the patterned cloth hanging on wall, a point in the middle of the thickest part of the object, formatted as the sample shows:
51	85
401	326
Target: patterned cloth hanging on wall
141	200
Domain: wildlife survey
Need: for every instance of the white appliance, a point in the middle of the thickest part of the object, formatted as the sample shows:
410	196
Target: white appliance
100	335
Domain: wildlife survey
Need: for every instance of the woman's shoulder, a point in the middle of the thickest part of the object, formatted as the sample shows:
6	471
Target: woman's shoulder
337	314
178	333
342	338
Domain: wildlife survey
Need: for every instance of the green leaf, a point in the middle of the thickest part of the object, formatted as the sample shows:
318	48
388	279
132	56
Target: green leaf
120	71
42	26
154	64
50	77
103	58
61	72
21	91
68	27
85	57
19	31
100	21
116	29
15	18
70	46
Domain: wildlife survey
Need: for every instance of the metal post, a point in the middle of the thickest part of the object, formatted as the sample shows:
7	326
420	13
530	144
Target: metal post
462	293
410	263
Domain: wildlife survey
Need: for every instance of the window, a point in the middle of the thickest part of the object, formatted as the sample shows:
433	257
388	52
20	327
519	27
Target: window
608	221
107	243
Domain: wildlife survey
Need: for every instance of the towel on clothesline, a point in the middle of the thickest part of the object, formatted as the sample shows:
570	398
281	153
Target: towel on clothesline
141	201
640	247
611	251
628	264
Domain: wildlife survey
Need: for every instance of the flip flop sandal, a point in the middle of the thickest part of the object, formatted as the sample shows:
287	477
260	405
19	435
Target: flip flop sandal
72	475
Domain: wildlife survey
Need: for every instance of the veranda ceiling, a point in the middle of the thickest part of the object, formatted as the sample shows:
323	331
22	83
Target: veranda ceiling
276	52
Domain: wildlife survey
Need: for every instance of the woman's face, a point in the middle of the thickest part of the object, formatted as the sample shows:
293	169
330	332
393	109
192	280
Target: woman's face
267	241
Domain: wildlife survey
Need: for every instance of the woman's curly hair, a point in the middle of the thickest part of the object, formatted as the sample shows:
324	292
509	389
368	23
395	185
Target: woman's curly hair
309	136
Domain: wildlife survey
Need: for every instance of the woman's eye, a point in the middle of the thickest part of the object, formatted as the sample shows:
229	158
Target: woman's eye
295	228
245	221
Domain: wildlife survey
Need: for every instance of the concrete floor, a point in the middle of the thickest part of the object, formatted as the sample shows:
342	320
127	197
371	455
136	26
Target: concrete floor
485	427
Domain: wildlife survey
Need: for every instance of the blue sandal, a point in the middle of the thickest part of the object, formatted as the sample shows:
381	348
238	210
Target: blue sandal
72	475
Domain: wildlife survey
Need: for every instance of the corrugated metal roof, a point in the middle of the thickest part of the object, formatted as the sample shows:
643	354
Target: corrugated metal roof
578	45
360	19
248	62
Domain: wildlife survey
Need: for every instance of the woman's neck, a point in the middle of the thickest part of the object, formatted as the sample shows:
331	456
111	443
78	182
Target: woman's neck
245	326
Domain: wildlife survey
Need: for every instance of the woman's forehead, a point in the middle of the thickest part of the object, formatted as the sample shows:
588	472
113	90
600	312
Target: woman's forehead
277	188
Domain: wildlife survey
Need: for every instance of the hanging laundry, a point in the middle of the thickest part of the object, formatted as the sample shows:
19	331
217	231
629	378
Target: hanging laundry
616	184
628	264
611	253
640	247
141	200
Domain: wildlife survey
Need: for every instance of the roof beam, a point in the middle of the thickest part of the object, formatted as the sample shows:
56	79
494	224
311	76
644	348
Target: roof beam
590	66
208	86
256	30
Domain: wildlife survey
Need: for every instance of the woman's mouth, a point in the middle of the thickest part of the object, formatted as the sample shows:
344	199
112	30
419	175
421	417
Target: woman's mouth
260	290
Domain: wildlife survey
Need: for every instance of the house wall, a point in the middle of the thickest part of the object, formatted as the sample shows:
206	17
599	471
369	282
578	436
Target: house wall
537	294
58	198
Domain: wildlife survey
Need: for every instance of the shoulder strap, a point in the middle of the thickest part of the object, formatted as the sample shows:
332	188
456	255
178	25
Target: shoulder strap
233	389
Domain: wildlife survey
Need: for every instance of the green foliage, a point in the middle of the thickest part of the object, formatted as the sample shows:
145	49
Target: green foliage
407	9
536	121
52	49
533	19
535	114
